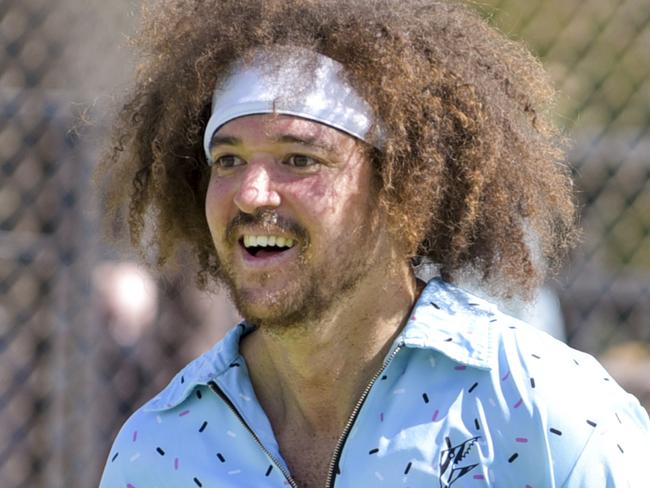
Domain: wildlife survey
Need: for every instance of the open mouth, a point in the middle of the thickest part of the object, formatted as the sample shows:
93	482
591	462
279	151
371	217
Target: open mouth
266	246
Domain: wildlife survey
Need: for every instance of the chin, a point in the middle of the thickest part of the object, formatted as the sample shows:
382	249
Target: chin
266	307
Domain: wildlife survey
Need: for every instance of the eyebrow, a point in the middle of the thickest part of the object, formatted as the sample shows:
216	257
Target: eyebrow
305	141
218	140
224	141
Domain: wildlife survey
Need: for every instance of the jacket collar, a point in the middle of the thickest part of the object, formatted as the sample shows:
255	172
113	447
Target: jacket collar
453	322
444	318
210	365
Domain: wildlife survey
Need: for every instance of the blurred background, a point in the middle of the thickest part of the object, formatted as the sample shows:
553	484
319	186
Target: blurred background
87	335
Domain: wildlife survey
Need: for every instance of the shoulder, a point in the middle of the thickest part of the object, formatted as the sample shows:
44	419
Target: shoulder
595	432
546	405
153	435
152	446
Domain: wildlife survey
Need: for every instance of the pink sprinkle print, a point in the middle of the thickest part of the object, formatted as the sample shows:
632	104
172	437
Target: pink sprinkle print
528	486
507	375
183	413
518	404
176	464
479	477
129	485
460	368
135	435
435	416
381	417
521	440
413	318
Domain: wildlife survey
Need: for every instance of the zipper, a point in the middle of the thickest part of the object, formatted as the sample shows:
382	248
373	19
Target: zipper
219	392
353	417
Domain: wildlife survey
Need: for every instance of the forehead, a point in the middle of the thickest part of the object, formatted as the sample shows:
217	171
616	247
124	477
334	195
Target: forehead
265	127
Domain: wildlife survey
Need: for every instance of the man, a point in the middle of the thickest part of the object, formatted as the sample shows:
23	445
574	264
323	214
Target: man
309	154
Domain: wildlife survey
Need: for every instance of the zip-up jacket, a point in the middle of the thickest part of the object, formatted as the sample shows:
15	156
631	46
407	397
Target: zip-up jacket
467	397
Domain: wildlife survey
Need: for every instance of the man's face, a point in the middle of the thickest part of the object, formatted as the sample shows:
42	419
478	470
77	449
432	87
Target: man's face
308	189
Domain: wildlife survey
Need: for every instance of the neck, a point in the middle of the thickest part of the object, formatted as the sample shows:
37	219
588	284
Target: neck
310	377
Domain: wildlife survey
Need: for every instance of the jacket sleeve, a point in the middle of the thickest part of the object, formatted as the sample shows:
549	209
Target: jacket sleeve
617	455
113	475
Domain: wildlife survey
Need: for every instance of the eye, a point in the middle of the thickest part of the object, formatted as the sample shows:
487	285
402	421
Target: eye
300	161
228	161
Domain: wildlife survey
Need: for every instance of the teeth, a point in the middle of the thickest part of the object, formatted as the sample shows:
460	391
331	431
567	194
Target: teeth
264	241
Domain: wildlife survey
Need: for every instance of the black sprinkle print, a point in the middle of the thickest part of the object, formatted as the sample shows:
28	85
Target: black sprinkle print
197	482
555	431
373	451
477	425
473	304
425	397
221	458
576	361
448	339
203	426
513	457
408	468
493	320
198	394
115	456
592	423
234	365
182	379
620	448
473	387
536	356
618	418
384	377
532	383
512	327
268	471
435	306
160	451
606	379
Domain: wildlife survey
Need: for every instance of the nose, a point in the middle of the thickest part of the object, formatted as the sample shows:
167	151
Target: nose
257	190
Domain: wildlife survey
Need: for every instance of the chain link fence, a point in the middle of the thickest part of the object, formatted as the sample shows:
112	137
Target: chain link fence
86	337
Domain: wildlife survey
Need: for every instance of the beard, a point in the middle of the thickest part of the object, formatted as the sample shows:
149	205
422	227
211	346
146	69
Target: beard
317	282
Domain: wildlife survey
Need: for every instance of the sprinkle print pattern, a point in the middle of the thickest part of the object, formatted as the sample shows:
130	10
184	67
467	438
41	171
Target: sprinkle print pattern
478	405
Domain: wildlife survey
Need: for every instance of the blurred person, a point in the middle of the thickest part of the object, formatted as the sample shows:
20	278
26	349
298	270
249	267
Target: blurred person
629	363
310	155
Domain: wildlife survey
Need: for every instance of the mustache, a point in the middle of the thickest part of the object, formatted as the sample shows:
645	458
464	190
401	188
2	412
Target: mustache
269	220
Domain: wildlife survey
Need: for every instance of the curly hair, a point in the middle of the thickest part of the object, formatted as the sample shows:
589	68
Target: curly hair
472	171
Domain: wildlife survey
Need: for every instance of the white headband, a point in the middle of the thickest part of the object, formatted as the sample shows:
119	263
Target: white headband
304	84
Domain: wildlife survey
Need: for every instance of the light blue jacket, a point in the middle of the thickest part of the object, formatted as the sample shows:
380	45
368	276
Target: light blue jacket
468	397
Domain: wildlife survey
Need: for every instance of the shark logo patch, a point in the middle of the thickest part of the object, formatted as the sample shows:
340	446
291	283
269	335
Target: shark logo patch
451	461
